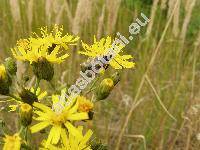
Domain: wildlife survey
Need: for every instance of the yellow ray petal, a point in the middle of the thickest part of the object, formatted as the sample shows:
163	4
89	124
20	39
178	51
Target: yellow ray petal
56	134
78	116
51	134
39	126
42	95
42	107
72	130
86	137
64	137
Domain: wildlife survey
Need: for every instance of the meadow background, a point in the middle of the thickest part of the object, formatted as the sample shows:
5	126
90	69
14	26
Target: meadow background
156	106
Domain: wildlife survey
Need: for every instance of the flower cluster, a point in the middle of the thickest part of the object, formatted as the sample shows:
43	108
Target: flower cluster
59	123
103	47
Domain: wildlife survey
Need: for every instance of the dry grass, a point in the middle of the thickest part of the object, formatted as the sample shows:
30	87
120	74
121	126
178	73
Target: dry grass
188	8
152	17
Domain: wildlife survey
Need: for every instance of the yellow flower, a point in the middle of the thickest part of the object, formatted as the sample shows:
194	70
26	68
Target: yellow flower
79	142
101	49
50	46
12	142
72	142
2	72
55	37
59	121
59	102
85	105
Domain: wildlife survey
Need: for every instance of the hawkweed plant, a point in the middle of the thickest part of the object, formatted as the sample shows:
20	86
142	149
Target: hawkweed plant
63	127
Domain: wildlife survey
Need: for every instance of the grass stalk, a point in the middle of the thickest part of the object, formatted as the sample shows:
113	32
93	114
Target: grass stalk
143	78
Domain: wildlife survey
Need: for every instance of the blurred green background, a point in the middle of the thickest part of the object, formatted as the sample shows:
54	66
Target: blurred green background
165	80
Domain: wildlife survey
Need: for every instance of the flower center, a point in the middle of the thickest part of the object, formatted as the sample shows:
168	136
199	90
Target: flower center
85	107
58	120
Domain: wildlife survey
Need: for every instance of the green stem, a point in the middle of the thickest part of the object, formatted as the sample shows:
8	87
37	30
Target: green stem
25	135
36	85
91	88
15	97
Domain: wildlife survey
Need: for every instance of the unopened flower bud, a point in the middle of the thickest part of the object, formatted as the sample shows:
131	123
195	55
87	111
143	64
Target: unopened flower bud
84	105
11	66
27	96
2	72
25	113
5	81
104	89
43	69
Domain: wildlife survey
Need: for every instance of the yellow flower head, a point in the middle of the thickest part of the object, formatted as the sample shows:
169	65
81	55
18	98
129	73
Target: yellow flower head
73	142
2	72
59	121
50	46
12	142
85	105
79	142
101	49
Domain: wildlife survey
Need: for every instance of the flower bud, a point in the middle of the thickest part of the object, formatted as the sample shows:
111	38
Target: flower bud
5	81
43	69
11	66
27	96
25	113
116	78
2	72
84	105
104	89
